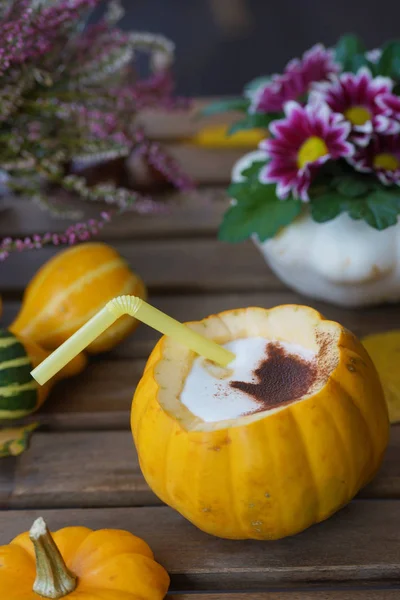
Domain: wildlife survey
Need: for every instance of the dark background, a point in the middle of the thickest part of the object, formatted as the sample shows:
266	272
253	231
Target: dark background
222	44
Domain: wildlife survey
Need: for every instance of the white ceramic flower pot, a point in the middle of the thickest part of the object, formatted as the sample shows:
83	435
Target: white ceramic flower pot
343	261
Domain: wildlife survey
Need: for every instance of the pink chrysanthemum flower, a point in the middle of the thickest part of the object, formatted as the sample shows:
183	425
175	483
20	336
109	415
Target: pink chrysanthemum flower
390	104
356	97
315	65
382	157
303	141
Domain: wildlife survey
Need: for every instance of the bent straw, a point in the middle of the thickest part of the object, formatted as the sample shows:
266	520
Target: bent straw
135	307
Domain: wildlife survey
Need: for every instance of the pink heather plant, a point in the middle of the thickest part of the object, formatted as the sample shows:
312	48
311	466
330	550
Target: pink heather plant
67	95
332	124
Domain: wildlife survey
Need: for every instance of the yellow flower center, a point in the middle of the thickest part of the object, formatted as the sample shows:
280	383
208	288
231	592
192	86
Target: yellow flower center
312	149
386	161
358	115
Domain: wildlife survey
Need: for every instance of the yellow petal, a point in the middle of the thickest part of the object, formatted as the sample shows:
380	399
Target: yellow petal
384	349
15	440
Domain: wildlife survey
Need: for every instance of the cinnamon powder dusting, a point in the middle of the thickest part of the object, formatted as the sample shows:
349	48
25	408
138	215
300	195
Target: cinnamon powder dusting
282	378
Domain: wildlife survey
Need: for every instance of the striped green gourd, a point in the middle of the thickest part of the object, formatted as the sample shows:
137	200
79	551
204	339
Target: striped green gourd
20	395
18	391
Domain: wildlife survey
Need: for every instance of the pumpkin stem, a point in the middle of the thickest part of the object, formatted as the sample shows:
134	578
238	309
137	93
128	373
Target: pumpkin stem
53	578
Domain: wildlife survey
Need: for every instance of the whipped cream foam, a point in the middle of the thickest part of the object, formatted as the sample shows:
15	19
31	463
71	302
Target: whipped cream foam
263	375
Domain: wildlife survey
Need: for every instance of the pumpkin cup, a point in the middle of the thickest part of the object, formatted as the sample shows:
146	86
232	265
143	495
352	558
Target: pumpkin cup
273	473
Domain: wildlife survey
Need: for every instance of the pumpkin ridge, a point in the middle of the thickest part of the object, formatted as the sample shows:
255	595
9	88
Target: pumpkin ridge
346	451
363	421
87	278
301	437
166	479
42	274
232	491
71	324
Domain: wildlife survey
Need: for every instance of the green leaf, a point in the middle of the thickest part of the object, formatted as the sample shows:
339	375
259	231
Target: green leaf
251	186
219	106
389	62
347	48
257	211
14	441
352	187
254	121
326	207
252	86
360	60
379	207
253	171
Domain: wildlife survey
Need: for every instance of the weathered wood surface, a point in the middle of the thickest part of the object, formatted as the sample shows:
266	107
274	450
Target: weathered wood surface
377	594
198	212
82	464
359	544
194	265
181	125
95	469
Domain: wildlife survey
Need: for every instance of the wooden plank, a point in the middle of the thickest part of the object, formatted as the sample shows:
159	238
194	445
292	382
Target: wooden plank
360	544
193	265
294	595
7	470
108	472
180	125
206	165
104	388
186	214
195	307
110	475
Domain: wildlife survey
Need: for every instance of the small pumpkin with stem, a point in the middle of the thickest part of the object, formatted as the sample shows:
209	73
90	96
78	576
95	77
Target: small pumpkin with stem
77	562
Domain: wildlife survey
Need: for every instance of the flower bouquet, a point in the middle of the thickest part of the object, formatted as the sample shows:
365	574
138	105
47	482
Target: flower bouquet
68	98
321	196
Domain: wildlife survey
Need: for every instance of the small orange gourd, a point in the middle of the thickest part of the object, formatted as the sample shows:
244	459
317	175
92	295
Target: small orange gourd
78	563
72	287
273	473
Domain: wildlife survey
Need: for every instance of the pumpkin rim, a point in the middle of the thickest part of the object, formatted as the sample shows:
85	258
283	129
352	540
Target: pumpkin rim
188	421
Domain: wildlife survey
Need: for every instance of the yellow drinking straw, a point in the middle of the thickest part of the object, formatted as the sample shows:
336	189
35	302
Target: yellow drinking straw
135	307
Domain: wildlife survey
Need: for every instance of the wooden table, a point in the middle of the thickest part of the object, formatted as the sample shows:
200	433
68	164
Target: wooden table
81	467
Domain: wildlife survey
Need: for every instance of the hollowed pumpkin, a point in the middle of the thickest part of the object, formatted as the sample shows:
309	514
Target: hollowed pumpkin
274	473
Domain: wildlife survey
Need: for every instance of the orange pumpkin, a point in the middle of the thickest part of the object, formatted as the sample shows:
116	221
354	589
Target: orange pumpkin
72	287
274	473
78	563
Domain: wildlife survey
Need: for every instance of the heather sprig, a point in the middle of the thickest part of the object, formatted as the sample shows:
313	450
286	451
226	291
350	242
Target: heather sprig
68	95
